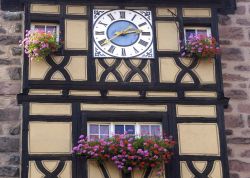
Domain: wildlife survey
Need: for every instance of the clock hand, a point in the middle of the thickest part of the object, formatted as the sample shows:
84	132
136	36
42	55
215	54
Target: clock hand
109	40
134	31
117	34
125	30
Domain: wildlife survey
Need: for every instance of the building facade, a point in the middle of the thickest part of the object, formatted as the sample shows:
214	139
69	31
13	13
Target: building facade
66	93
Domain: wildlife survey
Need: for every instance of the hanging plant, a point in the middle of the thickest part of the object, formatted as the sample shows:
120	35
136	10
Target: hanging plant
201	47
128	152
39	44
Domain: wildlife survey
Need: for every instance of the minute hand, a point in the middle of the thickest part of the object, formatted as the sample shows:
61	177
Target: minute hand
134	31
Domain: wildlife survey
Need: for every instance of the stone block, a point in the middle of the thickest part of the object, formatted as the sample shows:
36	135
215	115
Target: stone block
228	132
14	159
236	94
18	27
232	54
9	171
239	166
227	85
245	154
245	22
12	16
2	30
15	130
10	87
234	77
9	144
234	175
241	10
234	121
243	85
224	20
231	33
14	73
16	51
242	68
238	140
9	40
225	42
9	61
244	108
9	114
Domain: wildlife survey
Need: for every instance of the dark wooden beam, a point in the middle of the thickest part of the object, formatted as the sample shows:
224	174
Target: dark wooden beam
227	6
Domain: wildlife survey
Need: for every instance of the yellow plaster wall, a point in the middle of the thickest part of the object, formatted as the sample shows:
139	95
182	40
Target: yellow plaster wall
50	137
45	8
196	12
198	139
196	111
76	34
61	109
167	35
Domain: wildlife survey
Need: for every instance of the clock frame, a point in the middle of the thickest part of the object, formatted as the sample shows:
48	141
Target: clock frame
123	33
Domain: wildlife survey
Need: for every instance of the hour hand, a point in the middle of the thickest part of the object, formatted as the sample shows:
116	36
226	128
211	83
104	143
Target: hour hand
109	40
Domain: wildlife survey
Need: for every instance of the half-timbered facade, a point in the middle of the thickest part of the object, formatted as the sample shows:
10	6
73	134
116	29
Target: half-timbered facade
85	86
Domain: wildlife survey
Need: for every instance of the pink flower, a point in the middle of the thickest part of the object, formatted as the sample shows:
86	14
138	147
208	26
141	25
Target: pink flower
130	169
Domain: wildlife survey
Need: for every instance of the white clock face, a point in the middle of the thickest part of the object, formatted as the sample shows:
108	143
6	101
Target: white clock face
122	34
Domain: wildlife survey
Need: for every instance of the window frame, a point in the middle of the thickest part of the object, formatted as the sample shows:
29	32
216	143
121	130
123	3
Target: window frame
208	29
112	127
33	24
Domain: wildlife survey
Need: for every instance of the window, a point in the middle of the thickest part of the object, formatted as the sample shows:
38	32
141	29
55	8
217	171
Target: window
47	27
97	130
188	31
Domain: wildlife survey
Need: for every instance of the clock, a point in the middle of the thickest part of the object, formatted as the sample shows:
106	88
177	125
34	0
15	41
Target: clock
122	34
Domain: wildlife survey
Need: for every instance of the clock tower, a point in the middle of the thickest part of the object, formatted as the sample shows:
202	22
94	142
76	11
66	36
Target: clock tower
120	69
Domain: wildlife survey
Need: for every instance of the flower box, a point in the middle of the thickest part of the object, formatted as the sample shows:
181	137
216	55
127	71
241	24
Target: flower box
128	153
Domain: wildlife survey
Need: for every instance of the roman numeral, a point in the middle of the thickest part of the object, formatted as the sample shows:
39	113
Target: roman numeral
102	42
136	51
145	33
142	24
99	33
111	17
143	43
122	14
104	24
111	49
123	52
133	17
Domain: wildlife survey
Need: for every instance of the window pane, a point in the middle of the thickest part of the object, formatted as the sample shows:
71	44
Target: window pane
93	129
40	27
51	29
130	129
202	32
119	129
155	130
93	137
145	130
189	32
104	129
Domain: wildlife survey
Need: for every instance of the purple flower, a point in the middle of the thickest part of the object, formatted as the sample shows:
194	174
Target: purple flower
130	169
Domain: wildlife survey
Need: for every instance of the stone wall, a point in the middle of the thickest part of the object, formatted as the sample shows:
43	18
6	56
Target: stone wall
235	42
10	84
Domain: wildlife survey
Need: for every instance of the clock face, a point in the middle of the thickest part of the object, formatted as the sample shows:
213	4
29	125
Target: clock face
122	34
